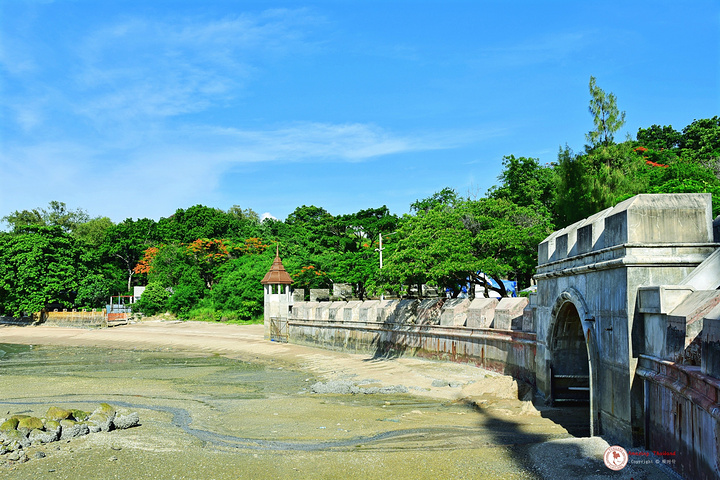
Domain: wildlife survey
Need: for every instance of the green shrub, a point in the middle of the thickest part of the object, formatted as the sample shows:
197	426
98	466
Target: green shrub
153	300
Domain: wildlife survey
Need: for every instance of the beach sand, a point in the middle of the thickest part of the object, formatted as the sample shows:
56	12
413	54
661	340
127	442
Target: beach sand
484	432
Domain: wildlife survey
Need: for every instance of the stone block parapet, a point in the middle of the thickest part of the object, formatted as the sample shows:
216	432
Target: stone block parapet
649	219
298	295
454	312
509	313
501	314
481	312
351	311
429	311
335	311
707	275
674	321
368	311
319	294
662	298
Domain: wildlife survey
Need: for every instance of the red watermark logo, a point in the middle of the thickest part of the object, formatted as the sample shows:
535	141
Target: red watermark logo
615	458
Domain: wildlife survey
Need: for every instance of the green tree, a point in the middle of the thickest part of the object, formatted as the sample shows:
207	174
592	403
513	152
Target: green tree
701	144
199	221
526	183
93	231
505	238
94	290
39	265
153	300
433	247
57	214
659	138
125	243
606	116
239	287
447	197
358	261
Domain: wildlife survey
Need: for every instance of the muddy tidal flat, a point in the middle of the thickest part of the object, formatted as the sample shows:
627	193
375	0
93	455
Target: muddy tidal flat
219	402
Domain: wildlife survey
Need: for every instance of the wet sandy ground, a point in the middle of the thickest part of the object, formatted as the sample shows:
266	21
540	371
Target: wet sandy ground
206	414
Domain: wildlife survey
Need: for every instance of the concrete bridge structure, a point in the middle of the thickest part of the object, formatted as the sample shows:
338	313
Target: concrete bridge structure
626	318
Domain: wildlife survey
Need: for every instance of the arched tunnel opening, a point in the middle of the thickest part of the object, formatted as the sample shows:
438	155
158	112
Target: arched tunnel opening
570	372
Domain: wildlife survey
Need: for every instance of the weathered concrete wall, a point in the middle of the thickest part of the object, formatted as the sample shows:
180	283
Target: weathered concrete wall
412	327
74	318
17	321
682	416
594	268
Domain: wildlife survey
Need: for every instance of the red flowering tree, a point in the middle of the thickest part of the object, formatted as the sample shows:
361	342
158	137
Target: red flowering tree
311	277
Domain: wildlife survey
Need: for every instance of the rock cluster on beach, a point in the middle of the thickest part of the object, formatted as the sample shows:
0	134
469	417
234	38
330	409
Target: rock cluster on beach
345	387
19	432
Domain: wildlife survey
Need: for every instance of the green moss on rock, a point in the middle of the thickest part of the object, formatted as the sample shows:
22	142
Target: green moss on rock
51	425
105	409
30	423
9	424
56	413
79	415
67	423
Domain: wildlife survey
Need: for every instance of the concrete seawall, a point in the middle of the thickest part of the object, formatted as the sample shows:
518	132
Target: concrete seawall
682	416
504	351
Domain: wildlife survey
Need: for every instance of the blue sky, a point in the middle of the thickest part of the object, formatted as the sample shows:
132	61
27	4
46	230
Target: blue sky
137	108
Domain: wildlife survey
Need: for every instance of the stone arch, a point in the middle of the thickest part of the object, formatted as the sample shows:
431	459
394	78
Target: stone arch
574	356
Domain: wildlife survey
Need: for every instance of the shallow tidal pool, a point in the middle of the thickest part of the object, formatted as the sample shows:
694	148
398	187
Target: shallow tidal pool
216	418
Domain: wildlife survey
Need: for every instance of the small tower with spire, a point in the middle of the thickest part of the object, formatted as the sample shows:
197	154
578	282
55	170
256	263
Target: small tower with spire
278	295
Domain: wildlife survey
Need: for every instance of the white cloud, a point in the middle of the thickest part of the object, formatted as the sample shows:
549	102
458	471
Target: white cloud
142	68
267	215
174	168
323	141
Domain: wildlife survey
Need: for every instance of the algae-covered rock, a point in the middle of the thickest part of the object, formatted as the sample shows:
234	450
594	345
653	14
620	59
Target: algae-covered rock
126	421
9	424
57	413
52	426
105	408
103	417
40	436
79	415
14	438
30	423
72	429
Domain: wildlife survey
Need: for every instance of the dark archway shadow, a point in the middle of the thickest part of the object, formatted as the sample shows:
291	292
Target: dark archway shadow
570	391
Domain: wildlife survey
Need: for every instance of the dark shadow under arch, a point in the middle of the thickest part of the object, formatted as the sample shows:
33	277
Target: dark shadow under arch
573	365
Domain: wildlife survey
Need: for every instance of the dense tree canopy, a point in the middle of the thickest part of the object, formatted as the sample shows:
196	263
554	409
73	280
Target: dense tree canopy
39	266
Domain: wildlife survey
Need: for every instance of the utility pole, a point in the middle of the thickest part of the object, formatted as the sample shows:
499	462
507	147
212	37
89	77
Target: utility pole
382	295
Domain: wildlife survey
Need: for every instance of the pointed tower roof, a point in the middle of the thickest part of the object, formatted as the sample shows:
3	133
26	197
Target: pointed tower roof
277	273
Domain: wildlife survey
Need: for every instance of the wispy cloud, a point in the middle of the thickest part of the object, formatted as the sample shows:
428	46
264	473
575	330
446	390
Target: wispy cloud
556	47
139	69
178	164
142	68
